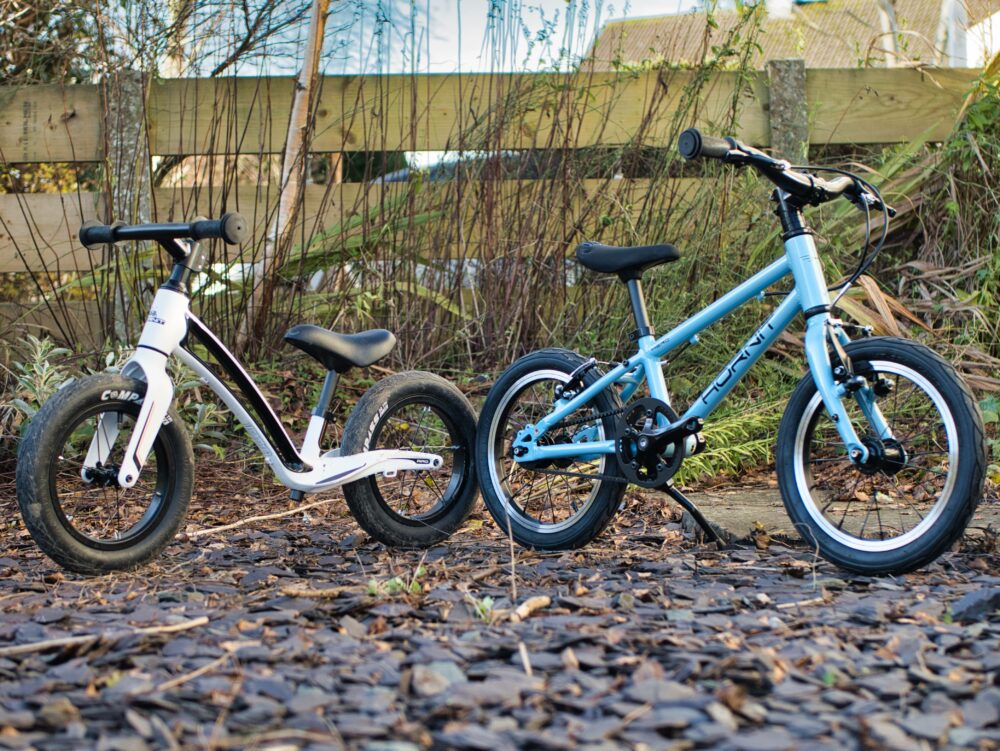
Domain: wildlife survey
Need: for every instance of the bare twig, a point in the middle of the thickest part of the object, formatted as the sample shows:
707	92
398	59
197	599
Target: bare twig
529	606
261	518
84	639
317	594
181	679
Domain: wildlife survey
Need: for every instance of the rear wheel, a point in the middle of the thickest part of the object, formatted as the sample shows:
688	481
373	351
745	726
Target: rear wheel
540	510
67	478
413	411
914	497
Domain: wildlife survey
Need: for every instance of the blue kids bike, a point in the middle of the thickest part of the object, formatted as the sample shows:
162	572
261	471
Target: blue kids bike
880	456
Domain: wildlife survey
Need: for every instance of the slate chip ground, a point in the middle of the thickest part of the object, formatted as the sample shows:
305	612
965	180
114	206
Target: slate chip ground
314	638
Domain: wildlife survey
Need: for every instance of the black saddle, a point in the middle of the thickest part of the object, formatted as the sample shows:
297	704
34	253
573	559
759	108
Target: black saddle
628	263
341	352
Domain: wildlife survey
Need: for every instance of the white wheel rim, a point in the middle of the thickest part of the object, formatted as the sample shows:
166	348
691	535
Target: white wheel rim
496	472
894	543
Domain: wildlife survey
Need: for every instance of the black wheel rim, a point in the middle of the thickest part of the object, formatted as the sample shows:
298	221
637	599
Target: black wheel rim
99	515
421	423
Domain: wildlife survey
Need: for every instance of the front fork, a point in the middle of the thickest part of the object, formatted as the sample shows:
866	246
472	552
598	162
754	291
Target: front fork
823	335
165	327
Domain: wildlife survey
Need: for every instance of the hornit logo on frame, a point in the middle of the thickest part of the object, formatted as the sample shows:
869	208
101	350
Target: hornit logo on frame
755	341
155	318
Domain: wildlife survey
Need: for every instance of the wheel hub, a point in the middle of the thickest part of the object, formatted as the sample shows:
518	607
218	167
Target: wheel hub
104	475
887	457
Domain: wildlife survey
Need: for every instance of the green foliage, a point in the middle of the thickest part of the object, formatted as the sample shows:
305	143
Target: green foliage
37	377
483	607
740	437
990	407
398	585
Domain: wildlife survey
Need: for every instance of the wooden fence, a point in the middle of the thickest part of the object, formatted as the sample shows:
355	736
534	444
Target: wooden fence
420	113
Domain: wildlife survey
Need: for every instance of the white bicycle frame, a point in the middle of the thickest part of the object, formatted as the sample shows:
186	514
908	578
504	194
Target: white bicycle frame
168	327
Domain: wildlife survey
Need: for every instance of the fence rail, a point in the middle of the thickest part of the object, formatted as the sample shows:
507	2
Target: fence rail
49	123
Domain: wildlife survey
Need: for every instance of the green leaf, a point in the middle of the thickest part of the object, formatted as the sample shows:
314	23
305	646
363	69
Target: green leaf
29	410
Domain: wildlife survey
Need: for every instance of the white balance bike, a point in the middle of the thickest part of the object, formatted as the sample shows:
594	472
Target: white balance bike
105	470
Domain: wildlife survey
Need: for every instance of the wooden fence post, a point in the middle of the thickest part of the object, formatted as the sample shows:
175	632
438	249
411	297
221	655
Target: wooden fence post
789	112
128	183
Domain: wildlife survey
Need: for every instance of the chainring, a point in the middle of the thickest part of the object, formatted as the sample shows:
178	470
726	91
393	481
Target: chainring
637	457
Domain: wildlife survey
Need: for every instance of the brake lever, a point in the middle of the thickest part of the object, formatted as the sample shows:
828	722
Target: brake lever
874	203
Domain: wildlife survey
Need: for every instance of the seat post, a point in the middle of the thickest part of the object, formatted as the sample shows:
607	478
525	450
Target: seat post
643	327
326	395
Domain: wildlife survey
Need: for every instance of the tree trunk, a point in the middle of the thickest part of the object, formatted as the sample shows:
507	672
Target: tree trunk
279	234
890	32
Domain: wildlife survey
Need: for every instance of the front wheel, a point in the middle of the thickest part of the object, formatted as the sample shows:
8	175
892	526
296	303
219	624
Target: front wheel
413	411
914	497
67	478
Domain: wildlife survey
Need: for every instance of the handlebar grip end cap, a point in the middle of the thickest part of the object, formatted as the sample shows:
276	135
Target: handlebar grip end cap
235	229
93	233
689	143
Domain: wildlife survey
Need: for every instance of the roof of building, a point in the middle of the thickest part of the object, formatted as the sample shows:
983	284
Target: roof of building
832	34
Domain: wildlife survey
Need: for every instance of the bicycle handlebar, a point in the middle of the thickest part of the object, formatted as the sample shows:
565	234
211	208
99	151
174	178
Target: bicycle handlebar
692	144
806	187
231	229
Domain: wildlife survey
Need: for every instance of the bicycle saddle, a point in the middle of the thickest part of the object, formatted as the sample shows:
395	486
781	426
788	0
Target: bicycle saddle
341	352
626	262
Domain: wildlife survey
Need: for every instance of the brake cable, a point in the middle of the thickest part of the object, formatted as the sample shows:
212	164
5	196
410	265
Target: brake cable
866	259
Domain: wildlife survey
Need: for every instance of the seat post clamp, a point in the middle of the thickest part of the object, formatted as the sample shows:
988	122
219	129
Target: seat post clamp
636	335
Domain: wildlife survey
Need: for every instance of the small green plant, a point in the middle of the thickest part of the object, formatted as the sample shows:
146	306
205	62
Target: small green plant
36	378
205	421
483	607
398	585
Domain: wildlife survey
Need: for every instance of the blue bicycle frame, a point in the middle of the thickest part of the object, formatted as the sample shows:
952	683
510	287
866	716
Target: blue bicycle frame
809	295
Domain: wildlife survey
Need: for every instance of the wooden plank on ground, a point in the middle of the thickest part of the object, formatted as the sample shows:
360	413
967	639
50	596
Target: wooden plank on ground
50	123
882	105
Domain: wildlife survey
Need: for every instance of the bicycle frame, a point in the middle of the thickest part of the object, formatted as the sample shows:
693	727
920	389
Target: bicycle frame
808	295
171	330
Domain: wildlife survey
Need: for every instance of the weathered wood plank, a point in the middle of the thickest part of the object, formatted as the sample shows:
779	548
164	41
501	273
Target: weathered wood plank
50	123
39	231
881	105
439	112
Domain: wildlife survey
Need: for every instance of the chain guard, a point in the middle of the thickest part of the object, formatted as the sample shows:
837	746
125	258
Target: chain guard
642	465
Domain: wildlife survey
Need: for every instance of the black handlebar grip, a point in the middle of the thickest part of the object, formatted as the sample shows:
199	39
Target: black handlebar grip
231	229
692	144
94	233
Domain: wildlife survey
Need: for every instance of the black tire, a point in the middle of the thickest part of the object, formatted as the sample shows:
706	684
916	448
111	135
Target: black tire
69	517
413	411
496	467
935	482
